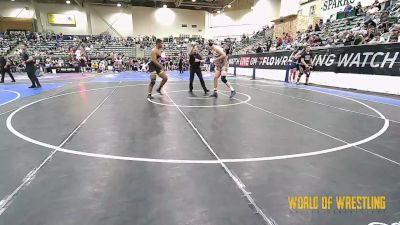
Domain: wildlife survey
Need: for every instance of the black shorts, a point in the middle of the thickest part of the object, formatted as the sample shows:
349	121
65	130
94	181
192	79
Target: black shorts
293	65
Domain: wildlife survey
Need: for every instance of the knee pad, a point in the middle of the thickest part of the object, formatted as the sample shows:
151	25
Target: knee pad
223	78
152	82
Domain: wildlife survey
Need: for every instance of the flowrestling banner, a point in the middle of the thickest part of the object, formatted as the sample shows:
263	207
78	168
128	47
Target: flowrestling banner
380	59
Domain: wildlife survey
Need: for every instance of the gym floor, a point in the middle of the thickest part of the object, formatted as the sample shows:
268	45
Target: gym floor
93	150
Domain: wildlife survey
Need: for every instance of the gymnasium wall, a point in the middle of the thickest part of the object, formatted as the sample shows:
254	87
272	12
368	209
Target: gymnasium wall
79	13
237	22
102	16
165	22
129	21
289	7
16	9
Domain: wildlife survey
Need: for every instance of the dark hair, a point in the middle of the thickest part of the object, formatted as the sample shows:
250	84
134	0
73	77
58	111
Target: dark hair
210	43
158	41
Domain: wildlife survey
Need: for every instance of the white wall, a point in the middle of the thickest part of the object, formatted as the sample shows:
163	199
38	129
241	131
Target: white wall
289	7
119	18
16	9
130	21
79	13
374	83
165	22
236	23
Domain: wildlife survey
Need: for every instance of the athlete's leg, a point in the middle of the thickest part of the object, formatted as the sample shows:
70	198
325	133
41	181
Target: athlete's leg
308	72
300	74
164	80
152	83
223	78
217	75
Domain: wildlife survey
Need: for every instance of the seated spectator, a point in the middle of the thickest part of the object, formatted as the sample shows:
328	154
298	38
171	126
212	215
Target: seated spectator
347	10
359	40
394	35
259	49
349	39
358	9
378	39
383	20
370	33
269	44
316	28
377	4
368	20
372	10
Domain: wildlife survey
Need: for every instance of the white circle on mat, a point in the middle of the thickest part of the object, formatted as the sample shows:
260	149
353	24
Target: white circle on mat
248	98
187	161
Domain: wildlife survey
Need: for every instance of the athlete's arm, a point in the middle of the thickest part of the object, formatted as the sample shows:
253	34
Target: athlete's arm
154	59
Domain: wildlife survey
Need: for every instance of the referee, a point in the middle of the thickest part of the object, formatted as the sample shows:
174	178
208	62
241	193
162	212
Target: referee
5	67
194	60
30	67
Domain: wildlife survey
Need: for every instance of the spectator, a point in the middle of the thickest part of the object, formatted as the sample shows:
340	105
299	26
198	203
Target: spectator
347	10
259	49
394	35
359	40
378	39
317	28
349	39
368	20
377	4
269	44
370	34
358	9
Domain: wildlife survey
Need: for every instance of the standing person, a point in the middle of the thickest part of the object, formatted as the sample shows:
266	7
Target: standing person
294	65
155	68
305	64
29	67
5	67
194	60
82	64
221	69
180	65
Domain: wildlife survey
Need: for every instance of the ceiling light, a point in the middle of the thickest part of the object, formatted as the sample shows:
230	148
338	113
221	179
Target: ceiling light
68	2
164	6
13	0
229	6
252	8
119	5
193	0
219	11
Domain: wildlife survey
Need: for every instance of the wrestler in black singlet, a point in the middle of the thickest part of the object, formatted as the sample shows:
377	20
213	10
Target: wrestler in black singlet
153	67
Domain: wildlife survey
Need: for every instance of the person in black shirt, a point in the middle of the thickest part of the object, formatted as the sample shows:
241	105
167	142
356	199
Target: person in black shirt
259	49
5	67
30	67
180	65
194	60
269	44
305	64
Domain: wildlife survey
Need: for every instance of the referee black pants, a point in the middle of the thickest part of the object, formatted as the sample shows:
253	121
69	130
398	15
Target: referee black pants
3	73
200	76
33	78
